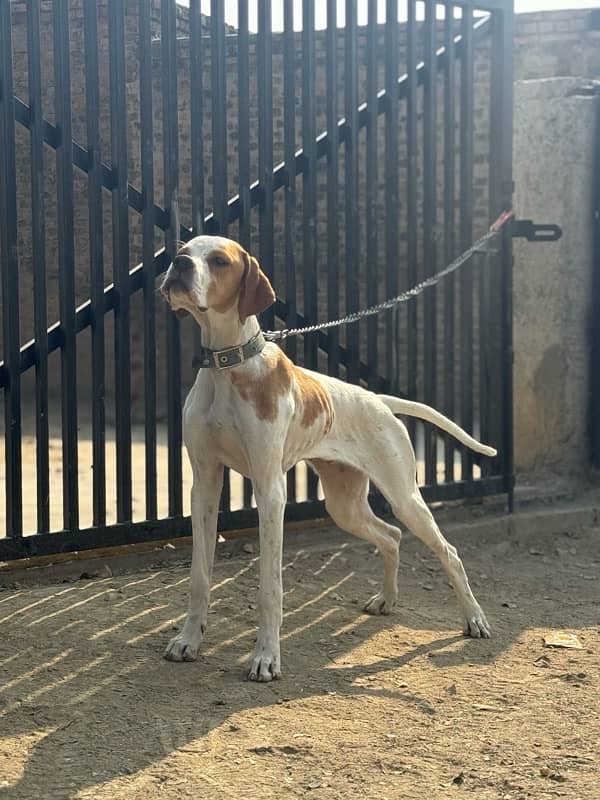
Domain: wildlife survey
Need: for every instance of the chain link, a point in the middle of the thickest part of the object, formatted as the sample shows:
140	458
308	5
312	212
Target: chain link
479	246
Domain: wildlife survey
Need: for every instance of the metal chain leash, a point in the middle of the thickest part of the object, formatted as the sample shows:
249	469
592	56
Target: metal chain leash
480	246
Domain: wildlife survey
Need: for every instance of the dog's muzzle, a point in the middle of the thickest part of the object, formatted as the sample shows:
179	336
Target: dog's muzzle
178	277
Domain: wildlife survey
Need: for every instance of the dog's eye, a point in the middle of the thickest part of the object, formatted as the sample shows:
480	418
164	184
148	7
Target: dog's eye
221	262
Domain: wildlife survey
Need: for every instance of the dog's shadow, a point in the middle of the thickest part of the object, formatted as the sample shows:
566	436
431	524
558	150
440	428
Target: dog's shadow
87	697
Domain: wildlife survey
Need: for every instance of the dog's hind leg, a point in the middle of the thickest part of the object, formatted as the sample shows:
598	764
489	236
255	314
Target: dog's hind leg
346	490
419	520
389	458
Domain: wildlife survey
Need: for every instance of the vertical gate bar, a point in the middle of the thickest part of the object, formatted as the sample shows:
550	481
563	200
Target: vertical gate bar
120	249
289	147
507	443
411	206
218	66
371	237
219	122
351	188
264	57
430	231
38	251
501	190
244	123
95	222
196	132
391	192
168	46
197	117
244	151
466	236
309	197
333	275
265	146
486	323
66	261
493	276
488	318
309	179
149	271
507	296
449	232
9	263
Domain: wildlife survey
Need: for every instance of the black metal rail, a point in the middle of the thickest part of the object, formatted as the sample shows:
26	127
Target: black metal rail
148	267
170	117
466	236
38	252
120	257
429	234
66	264
10	282
97	279
449	136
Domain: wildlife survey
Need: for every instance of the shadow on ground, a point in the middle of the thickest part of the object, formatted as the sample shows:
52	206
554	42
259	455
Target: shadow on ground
91	710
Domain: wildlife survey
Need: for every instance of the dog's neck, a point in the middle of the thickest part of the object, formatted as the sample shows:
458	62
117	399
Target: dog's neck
223	330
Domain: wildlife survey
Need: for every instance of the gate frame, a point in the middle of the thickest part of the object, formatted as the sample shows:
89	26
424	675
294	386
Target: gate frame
62	335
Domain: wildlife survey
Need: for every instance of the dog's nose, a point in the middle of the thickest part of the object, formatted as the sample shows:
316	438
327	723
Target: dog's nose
183	264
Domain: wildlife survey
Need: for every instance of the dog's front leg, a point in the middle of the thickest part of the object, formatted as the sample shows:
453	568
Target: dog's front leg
208	481
270	499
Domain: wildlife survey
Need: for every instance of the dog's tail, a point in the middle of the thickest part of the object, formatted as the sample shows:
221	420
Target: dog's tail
421	411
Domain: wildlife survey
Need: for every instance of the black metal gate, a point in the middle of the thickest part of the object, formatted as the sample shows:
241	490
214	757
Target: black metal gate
355	153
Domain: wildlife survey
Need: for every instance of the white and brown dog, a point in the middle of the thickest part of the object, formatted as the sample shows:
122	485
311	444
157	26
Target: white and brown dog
253	410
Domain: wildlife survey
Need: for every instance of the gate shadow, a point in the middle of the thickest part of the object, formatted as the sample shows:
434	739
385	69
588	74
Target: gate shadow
87	697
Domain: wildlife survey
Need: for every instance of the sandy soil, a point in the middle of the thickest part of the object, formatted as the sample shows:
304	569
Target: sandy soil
399	707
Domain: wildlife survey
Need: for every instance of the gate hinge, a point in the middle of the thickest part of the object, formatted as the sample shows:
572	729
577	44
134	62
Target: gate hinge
526	229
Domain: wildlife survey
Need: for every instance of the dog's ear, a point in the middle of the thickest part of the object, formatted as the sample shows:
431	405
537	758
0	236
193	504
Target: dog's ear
256	293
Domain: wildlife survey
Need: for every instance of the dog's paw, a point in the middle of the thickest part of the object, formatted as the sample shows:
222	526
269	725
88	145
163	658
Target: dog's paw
379	605
477	626
266	664
183	647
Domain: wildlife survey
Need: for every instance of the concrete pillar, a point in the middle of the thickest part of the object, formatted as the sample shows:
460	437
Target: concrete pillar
553	171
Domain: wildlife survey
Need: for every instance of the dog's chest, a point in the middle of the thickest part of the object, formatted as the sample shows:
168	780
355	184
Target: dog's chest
212	426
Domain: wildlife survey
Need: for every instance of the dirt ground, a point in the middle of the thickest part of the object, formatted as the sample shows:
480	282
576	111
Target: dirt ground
395	707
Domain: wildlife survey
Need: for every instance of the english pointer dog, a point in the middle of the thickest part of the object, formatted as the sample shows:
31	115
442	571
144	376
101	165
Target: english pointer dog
255	411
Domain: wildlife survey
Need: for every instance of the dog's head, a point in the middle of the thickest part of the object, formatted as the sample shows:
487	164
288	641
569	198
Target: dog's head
211	273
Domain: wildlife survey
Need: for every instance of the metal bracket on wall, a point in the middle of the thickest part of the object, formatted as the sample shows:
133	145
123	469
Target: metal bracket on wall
526	229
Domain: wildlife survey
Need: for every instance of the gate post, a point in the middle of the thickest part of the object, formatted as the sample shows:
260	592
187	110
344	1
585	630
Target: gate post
501	190
554	309
9	262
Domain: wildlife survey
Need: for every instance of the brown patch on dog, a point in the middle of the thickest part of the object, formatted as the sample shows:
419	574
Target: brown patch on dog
263	393
256	293
226	278
314	399
236	276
